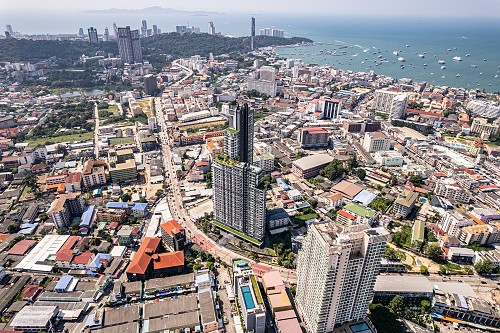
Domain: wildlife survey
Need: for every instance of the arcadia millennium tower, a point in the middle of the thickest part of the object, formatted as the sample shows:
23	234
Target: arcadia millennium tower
239	198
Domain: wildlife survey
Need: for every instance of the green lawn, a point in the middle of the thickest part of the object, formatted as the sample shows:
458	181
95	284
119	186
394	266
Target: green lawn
121	141
63	138
113	109
237	233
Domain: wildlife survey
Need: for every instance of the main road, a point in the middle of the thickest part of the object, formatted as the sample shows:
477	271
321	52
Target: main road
180	214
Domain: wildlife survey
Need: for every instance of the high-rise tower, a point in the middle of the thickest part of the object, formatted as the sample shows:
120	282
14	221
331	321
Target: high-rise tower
337	268
239	199
93	38
105	37
211	28
252	33
129	45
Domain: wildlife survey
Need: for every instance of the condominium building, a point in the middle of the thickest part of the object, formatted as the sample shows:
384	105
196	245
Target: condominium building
481	234
239	198
253	310
361	126
129	45
391	103
94	173
173	235
331	108
483	128
376	141
264	81
449	189
314	137
452	222
121	172
337	268
65	208
405	203
485	109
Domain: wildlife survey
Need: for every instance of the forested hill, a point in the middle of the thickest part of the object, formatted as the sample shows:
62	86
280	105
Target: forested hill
154	47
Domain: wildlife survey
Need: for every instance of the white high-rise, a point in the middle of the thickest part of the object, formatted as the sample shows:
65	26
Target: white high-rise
391	103
337	268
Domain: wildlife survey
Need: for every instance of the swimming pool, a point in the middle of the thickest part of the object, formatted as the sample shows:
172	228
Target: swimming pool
247	296
360	328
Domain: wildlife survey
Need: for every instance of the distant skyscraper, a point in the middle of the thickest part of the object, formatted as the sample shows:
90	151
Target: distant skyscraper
106	35
155	29
81	34
129	45
181	29
144	28
239	200
115	28
211	28
337	268
252	34
150	84
93	38
8	27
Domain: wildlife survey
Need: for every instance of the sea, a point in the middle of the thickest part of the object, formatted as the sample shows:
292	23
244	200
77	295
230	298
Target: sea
360	44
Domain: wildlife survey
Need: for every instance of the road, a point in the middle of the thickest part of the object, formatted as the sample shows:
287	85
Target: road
96	131
190	72
182	216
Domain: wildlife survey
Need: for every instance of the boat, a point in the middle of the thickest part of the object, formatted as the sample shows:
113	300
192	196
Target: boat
457	58
401	59
395	53
458	75
407	45
473	66
425	64
467	55
443	67
442	62
421	55
485	59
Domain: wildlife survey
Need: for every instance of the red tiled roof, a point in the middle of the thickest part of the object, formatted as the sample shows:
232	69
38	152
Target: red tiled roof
64	255
75	177
22	247
346	214
31	291
142	258
168	260
172	227
70	243
83	258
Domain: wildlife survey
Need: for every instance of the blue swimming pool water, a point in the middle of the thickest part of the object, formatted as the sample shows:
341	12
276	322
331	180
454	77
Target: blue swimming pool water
360	328
247	295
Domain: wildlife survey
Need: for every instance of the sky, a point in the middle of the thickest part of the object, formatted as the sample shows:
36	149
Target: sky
362	8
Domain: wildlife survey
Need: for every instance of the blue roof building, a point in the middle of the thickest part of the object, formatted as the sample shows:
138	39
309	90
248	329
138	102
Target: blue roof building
364	197
63	284
87	219
117	205
140	209
281	183
99	260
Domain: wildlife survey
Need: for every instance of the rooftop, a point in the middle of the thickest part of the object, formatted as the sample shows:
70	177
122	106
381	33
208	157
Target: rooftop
397	283
312	161
34	316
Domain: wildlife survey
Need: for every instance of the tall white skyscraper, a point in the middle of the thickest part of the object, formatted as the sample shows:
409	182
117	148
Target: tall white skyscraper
337	269
211	28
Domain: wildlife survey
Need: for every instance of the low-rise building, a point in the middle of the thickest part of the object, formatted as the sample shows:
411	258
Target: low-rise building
314	137
389	158
376	141
309	166
121	172
413	289
35	319
173	235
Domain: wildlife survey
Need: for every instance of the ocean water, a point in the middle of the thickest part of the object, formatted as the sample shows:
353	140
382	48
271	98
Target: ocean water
359	40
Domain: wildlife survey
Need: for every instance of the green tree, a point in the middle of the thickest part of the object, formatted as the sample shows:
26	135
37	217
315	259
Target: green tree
416	180
361	173
13	228
126	197
485	267
333	170
396	305
425	306
352	163
434	251
424	270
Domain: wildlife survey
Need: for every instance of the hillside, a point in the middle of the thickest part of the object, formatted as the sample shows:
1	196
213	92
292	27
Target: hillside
155	48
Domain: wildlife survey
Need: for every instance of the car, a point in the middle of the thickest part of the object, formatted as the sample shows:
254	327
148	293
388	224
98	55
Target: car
483	282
